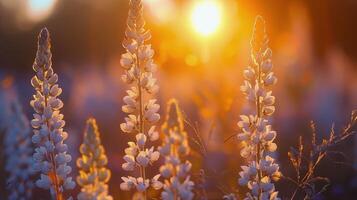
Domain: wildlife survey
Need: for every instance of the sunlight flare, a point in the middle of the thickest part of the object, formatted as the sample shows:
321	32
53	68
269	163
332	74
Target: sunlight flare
38	10
206	17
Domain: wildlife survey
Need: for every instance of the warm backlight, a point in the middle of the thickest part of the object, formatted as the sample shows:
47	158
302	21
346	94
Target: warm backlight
206	17
39	9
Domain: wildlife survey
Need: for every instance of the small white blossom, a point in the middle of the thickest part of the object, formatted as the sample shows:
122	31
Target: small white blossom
129	164
155	183
93	175
175	147
132	149
142	184
142	159
128	183
140	140
153	135
44	182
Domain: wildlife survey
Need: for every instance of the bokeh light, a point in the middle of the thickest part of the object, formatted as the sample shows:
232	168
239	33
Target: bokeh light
162	11
206	17
38	10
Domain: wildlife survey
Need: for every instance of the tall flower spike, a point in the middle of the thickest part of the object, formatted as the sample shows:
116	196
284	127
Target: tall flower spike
50	155
175	147
93	174
18	151
257	135
139	105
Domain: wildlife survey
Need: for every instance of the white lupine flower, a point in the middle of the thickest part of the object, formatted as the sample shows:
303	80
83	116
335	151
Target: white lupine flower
153	155
50	155
130	163
153	135
142	159
93	174
142	184
141	140
229	197
18	150
141	108
44	182
155	183
175	147
257	135
128	184
132	149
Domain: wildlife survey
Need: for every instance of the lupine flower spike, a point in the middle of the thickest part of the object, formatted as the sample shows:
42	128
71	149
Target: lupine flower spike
139	105
93	175
257	134
18	151
175	147
50	157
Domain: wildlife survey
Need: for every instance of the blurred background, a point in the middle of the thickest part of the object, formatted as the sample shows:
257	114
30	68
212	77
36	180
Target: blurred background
201	49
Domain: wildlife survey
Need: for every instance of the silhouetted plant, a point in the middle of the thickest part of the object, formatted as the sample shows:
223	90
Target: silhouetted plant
306	161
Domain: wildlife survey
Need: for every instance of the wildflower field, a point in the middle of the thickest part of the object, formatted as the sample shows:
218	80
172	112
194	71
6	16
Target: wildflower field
178	100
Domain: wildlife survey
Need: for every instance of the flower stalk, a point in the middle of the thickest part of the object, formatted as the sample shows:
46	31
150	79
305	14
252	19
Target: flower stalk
175	147
257	135
93	174
50	157
139	105
18	151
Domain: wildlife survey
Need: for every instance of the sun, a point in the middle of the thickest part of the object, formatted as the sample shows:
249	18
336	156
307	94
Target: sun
206	17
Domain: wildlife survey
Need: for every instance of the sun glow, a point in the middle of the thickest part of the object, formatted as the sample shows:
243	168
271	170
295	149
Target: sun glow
206	17
38	10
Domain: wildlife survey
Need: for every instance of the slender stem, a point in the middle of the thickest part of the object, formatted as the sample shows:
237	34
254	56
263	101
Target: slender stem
174	152
293	196
51	155
141	117
258	110
93	169
311	172
141	99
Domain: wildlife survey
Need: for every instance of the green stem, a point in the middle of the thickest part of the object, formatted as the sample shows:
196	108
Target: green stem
258	154
58	193
141	117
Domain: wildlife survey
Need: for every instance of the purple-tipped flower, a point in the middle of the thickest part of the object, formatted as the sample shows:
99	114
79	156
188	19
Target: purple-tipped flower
93	174
175	147
140	106
50	155
257	134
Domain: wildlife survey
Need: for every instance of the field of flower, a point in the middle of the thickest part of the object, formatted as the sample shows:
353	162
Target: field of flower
177	100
